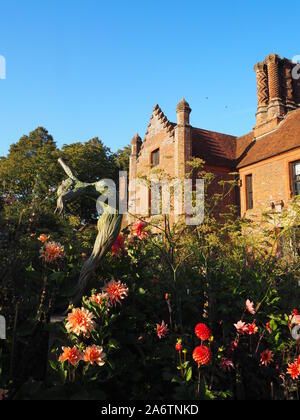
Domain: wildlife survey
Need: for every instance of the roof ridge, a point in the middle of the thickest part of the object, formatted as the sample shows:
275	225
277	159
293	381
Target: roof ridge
277	142
215	132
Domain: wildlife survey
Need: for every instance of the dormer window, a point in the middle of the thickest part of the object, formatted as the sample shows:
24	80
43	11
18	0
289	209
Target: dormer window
155	158
295	178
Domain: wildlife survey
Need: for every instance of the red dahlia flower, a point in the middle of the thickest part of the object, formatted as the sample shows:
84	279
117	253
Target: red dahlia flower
203	332
179	346
139	230
202	355
252	328
267	357
162	330
118	247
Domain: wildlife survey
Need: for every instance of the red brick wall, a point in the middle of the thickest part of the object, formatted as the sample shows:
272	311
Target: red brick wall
271	183
229	193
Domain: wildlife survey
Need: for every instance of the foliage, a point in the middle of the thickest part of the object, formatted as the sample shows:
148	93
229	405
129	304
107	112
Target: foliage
177	276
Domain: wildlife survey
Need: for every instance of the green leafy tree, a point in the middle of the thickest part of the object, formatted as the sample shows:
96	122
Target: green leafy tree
31	166
122	157
91	161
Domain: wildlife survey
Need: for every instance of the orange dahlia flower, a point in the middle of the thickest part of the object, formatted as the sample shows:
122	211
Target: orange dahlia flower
94	354
81	321
52	252
99	299
74	356
43	238
202	355
116	292
294	370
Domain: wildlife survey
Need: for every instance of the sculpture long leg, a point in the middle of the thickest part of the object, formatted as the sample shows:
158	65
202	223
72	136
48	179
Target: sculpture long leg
109	226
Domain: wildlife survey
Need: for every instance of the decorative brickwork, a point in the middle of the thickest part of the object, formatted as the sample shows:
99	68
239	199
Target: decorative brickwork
266	153
277	93
157	123
274	77
288	85
262	91
262	84
296	90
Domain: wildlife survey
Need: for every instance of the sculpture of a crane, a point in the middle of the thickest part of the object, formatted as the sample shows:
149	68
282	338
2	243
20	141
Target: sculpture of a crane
109	223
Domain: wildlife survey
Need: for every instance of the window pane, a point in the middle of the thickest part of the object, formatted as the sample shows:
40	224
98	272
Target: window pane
155	158
249	192
296	178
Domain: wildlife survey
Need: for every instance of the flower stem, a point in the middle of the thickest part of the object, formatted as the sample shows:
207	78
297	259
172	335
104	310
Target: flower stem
199	381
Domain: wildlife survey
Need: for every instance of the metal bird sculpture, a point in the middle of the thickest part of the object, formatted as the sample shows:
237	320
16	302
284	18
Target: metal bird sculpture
109	224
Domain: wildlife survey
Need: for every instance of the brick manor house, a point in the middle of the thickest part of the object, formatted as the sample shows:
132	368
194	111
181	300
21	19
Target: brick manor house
267	159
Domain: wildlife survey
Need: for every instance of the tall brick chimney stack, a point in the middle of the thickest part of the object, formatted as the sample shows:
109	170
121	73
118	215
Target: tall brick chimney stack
183	138
136	144
183	113
276	108
277	93
262	92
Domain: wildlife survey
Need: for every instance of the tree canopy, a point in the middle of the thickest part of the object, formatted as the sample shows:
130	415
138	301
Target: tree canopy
30	166
31	170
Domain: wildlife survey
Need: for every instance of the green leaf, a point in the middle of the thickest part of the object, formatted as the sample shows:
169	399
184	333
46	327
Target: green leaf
113	344
189	374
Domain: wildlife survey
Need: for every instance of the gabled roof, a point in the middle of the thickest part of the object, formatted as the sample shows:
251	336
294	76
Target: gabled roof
214	148
234	152
224	150
285	138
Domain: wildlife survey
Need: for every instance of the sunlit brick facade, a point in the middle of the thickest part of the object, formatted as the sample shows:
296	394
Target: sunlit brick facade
267	159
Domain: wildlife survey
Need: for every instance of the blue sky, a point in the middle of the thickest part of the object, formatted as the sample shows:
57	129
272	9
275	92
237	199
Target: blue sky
96	68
